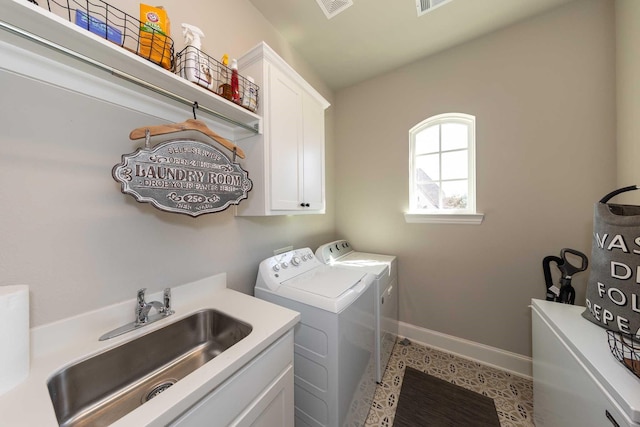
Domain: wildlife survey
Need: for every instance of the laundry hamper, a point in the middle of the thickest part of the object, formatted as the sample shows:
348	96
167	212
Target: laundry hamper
613	289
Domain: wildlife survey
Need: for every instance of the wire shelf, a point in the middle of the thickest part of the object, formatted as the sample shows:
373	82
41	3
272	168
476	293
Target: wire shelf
196	66
626	349
118	27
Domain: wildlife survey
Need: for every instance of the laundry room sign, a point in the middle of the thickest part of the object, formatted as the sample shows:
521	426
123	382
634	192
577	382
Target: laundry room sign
183	176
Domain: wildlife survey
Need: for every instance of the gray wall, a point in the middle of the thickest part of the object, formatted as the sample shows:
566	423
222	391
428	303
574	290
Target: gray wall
628	94
543	93
68	231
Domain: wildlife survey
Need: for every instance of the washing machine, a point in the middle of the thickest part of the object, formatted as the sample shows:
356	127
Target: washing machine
385	269
334	342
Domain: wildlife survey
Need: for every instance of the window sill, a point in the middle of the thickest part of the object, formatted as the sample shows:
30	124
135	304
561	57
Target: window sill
436	218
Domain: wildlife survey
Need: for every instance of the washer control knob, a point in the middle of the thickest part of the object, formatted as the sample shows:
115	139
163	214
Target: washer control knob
276	267
304	257
295	260
284	264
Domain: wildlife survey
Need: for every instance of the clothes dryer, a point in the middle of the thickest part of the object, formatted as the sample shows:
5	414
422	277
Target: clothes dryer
385	269
334	362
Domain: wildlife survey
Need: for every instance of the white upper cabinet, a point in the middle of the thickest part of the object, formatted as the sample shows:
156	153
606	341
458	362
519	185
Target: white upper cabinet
286	161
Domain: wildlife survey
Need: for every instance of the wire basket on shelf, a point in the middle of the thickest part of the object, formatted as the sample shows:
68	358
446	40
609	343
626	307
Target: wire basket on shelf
626	349
118	27
196	66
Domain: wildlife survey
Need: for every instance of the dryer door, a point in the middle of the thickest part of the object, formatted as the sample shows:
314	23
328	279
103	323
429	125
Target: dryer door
326	281
326	287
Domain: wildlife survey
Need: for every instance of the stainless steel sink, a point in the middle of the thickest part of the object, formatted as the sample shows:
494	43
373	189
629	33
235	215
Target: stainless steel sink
101	389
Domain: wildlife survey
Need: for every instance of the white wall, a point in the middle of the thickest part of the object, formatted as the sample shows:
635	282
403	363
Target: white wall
543	93
628	93
79	243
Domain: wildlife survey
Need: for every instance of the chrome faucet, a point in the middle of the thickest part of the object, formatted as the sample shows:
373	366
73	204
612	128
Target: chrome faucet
163	309
143	307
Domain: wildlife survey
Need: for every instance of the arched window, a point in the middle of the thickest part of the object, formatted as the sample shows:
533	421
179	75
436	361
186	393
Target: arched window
442	170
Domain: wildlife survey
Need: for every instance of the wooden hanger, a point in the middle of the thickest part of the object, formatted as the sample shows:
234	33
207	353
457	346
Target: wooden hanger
189	124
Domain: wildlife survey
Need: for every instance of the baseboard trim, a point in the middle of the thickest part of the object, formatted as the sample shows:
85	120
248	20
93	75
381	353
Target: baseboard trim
511	362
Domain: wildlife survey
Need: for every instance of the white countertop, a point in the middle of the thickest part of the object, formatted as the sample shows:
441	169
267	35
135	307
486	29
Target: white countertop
588	342
58	344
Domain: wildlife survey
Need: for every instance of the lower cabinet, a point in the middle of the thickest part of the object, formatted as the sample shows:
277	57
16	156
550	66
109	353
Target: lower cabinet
576	381
259	395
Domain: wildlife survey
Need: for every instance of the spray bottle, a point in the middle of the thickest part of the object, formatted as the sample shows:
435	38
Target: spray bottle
192	35
196	67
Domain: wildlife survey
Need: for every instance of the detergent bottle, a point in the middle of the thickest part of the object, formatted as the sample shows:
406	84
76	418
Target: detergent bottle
224	89
235	86
250	95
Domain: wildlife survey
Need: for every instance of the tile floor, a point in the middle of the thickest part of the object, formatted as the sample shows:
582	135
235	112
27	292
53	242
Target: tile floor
513	395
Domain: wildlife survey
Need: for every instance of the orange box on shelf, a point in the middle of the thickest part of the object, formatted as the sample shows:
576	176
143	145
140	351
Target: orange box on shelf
155	35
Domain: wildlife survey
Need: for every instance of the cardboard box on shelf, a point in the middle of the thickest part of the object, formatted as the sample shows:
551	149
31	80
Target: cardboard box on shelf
155	35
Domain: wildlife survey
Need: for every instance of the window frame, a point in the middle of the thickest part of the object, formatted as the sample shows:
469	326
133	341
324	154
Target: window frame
440	215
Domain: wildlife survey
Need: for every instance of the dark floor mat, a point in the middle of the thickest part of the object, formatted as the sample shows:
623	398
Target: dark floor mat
427	401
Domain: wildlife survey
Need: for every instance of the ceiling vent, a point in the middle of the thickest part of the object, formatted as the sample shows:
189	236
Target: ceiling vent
425	6
333	7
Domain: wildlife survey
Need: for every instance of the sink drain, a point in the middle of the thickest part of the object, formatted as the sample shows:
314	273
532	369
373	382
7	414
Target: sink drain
156	390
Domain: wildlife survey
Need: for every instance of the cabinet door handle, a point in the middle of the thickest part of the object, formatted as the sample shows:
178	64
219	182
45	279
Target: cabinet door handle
304	205
610	418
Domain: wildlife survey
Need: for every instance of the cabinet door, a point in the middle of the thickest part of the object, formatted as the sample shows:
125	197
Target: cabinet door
274	407
262	388
313	154
565	393
285	137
